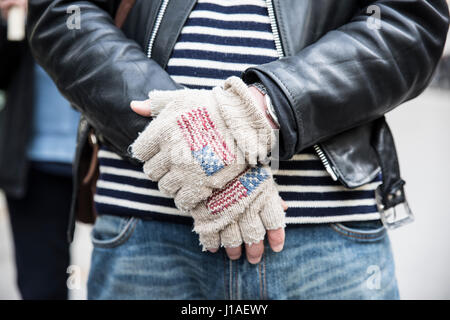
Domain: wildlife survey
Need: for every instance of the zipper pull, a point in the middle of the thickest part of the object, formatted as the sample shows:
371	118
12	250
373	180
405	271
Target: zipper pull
332	173
326	163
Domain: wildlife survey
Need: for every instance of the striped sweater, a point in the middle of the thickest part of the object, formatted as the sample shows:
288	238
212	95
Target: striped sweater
221	39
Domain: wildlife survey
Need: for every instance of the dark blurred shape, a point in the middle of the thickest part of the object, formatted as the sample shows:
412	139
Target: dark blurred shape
39	232
37	142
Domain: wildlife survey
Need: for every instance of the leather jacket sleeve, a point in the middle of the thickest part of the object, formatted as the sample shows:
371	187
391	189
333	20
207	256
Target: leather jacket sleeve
354	74
87	62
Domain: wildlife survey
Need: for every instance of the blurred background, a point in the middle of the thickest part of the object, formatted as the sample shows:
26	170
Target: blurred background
421	249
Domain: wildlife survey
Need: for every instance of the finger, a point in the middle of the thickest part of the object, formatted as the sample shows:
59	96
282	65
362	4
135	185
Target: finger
141	107
272	213
189	196
157	166
231	238
252	228
160	98
148	142
284	205
171	183
234	253
273	217
210	241
276	239
254	252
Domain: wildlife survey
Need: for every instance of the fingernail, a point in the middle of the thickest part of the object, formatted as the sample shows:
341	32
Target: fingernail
278	247
254	260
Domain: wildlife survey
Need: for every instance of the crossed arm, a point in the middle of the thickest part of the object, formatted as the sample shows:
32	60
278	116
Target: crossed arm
275	237
361	73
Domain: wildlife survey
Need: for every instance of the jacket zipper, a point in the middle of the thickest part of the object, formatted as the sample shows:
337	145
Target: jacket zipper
159	17
276	35
325	162
274	26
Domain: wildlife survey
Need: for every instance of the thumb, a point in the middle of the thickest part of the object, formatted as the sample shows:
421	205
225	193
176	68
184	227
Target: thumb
141	107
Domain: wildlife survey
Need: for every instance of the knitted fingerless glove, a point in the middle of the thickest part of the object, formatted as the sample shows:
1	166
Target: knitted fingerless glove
198	140
241	211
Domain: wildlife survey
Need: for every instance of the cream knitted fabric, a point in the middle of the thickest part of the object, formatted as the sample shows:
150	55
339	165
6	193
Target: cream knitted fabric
249	126
240	212
197	141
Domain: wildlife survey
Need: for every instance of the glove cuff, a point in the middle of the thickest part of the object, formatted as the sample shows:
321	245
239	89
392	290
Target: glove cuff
246	121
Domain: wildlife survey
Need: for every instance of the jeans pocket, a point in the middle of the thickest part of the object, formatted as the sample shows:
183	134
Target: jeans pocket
112	231
362	231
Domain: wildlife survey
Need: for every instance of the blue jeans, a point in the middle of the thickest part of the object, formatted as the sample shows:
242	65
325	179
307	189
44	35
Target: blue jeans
147	259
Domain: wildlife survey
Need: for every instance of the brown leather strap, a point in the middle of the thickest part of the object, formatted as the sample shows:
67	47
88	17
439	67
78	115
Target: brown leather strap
93	165
122	12
89	172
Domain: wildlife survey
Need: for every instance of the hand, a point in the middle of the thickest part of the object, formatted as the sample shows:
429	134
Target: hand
255	251
6	5
275	237
202	139
241	212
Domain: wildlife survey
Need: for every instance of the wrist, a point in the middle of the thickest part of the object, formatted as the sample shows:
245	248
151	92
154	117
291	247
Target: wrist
261	102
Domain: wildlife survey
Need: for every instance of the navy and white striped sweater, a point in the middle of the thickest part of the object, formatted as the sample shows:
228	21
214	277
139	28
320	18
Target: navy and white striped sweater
221	39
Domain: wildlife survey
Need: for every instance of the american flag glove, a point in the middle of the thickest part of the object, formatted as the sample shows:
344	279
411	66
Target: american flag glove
202	139
242	211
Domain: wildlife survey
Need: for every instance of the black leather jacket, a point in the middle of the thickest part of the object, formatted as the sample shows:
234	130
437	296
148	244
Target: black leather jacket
339	74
